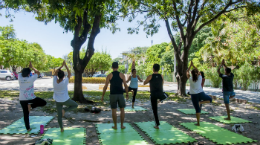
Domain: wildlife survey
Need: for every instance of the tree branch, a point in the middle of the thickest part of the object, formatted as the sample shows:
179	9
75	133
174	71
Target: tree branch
179	22
86	27
176	50
217	16
195	11
94	32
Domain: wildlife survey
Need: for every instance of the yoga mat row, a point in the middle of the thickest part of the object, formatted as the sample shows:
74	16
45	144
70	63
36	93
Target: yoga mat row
167	134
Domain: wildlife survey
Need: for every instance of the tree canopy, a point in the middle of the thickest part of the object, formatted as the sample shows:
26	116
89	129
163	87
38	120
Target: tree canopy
186	17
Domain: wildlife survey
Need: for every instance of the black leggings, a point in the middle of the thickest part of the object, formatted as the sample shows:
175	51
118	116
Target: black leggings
154	102
196	98
37	102
135	92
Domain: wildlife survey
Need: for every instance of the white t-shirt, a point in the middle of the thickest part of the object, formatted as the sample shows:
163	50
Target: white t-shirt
195	87
26	87
60	90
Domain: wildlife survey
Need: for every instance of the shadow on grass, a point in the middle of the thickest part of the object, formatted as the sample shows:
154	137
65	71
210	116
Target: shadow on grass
95	96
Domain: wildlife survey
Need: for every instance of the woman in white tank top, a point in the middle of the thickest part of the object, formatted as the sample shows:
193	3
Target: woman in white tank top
198	96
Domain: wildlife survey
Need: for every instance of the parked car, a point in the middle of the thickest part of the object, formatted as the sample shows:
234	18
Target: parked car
7	75
99	75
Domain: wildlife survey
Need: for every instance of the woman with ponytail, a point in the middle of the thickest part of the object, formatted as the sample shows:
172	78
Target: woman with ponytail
61	95
198	96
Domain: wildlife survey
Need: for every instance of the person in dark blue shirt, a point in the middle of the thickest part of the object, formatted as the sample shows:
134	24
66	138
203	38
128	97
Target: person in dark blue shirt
227	82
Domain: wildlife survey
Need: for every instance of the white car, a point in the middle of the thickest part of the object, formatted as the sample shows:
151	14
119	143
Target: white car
6	74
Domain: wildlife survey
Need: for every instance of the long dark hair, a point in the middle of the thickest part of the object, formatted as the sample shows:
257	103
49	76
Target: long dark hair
194	74
202	74
61	74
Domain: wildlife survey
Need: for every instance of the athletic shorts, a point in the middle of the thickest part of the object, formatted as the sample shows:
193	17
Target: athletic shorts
226	96
117	99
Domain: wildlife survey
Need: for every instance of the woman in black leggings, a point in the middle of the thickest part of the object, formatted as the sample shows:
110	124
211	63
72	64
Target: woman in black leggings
198	96
134	84
27	98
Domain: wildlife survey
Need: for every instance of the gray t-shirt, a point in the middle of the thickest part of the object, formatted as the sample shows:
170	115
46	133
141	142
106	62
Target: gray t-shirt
227	81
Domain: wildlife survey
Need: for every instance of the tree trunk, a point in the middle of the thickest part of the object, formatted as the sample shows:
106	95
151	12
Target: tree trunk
78	94
182	86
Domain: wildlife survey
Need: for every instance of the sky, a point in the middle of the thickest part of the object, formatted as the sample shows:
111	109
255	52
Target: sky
56	43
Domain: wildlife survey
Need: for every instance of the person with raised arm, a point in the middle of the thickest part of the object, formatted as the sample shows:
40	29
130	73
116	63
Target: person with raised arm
133	84
116	79
156	89
198	97
27	98
61	95
227	82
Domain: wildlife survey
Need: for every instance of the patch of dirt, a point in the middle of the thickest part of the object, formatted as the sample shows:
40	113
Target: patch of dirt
11	111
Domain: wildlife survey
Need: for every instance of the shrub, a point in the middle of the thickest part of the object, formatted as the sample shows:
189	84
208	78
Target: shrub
92	80
212	75
246	75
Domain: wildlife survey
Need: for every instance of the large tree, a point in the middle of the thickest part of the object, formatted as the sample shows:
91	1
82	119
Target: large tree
187	17
82	17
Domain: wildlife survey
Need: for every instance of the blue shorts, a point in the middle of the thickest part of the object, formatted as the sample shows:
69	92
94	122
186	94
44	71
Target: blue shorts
226	96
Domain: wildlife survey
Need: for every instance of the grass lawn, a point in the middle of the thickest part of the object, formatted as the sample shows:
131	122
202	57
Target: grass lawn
95	96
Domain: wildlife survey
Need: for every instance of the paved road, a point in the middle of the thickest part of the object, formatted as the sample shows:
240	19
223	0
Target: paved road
45	84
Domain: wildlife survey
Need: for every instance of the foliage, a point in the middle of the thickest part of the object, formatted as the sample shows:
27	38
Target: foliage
92	80
185	17
236	42
121	68
212	75
118	59
100	61
83	18
246	74
15	52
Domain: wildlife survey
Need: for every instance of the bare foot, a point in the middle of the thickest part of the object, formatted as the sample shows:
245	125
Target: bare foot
231	97
122	127
29	108
197	124
63	112
114	127
156	127
29	130
61	130
227	118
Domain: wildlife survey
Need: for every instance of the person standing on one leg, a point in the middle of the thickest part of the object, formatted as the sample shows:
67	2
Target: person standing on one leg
134	84
227	81
198	96
116	79
27	98
156	90
61	95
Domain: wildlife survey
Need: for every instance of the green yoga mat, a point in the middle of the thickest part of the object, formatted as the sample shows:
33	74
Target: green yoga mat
233	120
167	134
217	134
70	136
131	138
136	108
107	128
18	127
127	136
191	111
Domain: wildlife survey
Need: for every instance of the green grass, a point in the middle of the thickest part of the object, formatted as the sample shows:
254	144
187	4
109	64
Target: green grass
95	96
